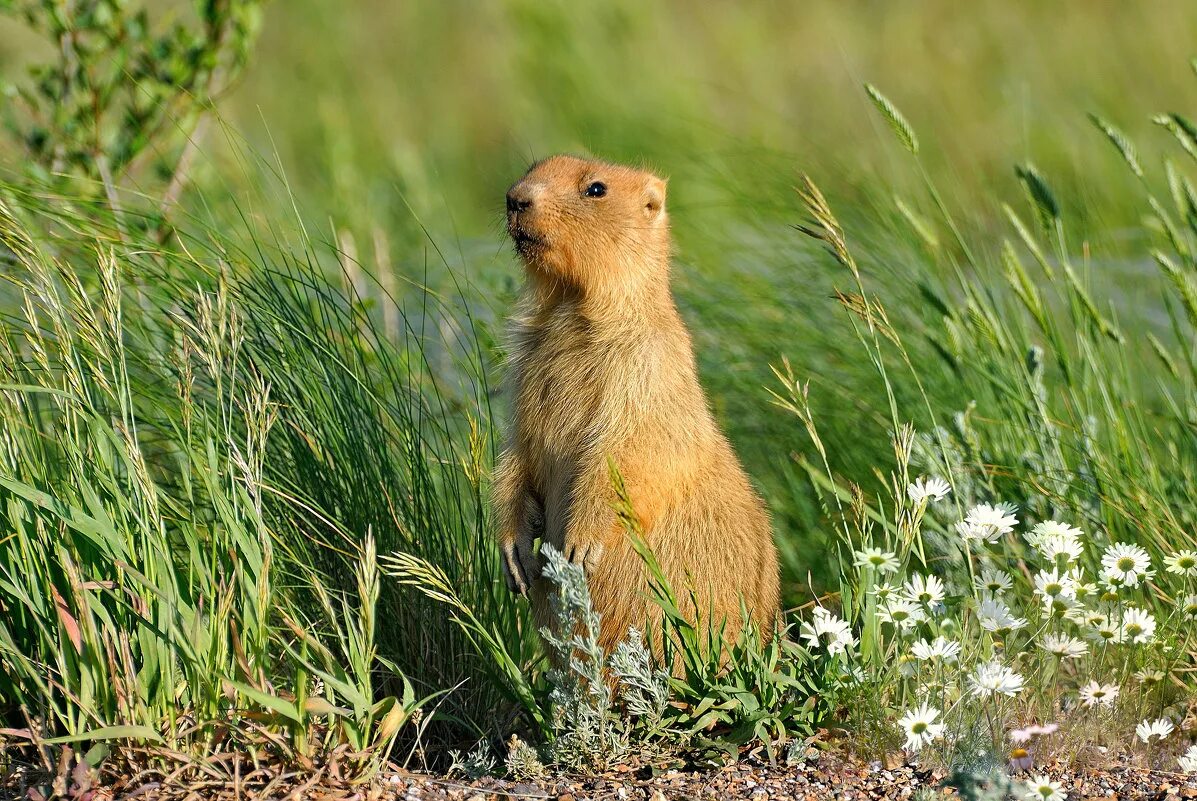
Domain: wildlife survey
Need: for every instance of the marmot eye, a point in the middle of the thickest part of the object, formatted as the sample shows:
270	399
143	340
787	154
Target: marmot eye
596	189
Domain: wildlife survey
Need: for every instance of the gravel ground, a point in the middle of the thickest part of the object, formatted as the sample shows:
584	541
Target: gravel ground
826	777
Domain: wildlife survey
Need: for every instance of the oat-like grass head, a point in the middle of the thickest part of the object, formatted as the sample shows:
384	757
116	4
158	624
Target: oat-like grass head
590	225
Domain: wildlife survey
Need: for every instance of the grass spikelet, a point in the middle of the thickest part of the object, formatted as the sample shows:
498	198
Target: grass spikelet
827	228
1120	142
1175	238
1163	355
896	120
1082	294
1041	196
1180	128
1183	282
1029	241
1018	279
918	224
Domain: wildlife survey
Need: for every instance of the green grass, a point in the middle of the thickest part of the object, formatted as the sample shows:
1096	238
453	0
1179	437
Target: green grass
205	449
212	433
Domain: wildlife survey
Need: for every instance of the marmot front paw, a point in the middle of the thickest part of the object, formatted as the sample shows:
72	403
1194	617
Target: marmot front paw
519	563
586	554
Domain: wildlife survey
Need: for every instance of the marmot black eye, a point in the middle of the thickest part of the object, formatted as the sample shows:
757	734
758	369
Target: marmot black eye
596	189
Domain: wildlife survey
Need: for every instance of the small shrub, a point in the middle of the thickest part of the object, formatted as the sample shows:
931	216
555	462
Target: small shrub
586	731
124	96
479	761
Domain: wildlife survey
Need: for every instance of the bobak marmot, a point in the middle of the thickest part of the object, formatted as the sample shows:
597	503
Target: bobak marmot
602	368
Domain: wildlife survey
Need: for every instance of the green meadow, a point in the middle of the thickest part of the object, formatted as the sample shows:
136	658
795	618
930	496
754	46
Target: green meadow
251	405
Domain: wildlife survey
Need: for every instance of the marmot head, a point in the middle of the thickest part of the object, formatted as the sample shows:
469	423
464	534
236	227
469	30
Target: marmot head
590	224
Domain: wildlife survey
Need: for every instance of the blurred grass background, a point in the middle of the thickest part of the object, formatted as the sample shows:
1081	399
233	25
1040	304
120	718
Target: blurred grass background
399	125
418	115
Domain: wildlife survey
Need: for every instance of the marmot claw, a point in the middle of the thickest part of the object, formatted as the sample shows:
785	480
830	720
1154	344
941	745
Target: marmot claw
519	564
587	555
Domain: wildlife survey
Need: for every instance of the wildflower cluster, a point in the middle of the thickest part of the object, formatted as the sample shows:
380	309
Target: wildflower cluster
1011	624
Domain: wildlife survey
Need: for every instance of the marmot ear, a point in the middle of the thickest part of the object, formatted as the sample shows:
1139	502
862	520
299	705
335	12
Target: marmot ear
654	198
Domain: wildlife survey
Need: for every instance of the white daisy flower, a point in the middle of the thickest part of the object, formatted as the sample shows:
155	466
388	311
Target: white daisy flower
1188	606
828	630
994	615
1050	584
993	581
1094	694
1182	563
920	726
1020	760
1124	565
1050	529
903	613
1081	588
1055	546
925	590
1149	678
879	560
993	678
927	489
1104	628
1020	736
1138	626
987	523
1158	729
883	590
1090	617
1041	788
939	648
1064	646
1025	735
1188	762
1060	607
968	532
1078	613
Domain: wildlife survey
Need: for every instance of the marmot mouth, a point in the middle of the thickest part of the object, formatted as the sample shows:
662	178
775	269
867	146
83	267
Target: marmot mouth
524	240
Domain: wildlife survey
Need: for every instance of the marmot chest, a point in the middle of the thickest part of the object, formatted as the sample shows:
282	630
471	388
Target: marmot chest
563	375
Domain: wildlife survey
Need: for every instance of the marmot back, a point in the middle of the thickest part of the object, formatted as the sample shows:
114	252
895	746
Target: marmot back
603	368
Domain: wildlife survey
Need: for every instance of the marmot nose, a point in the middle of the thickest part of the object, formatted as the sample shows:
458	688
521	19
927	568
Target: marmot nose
519	199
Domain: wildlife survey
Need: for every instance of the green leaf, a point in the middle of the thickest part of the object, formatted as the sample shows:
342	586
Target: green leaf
138	733
271	702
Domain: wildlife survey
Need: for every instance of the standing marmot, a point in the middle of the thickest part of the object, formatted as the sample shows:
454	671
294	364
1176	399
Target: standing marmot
603	368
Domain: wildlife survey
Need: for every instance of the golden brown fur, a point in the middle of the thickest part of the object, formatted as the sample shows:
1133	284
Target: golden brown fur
603	367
